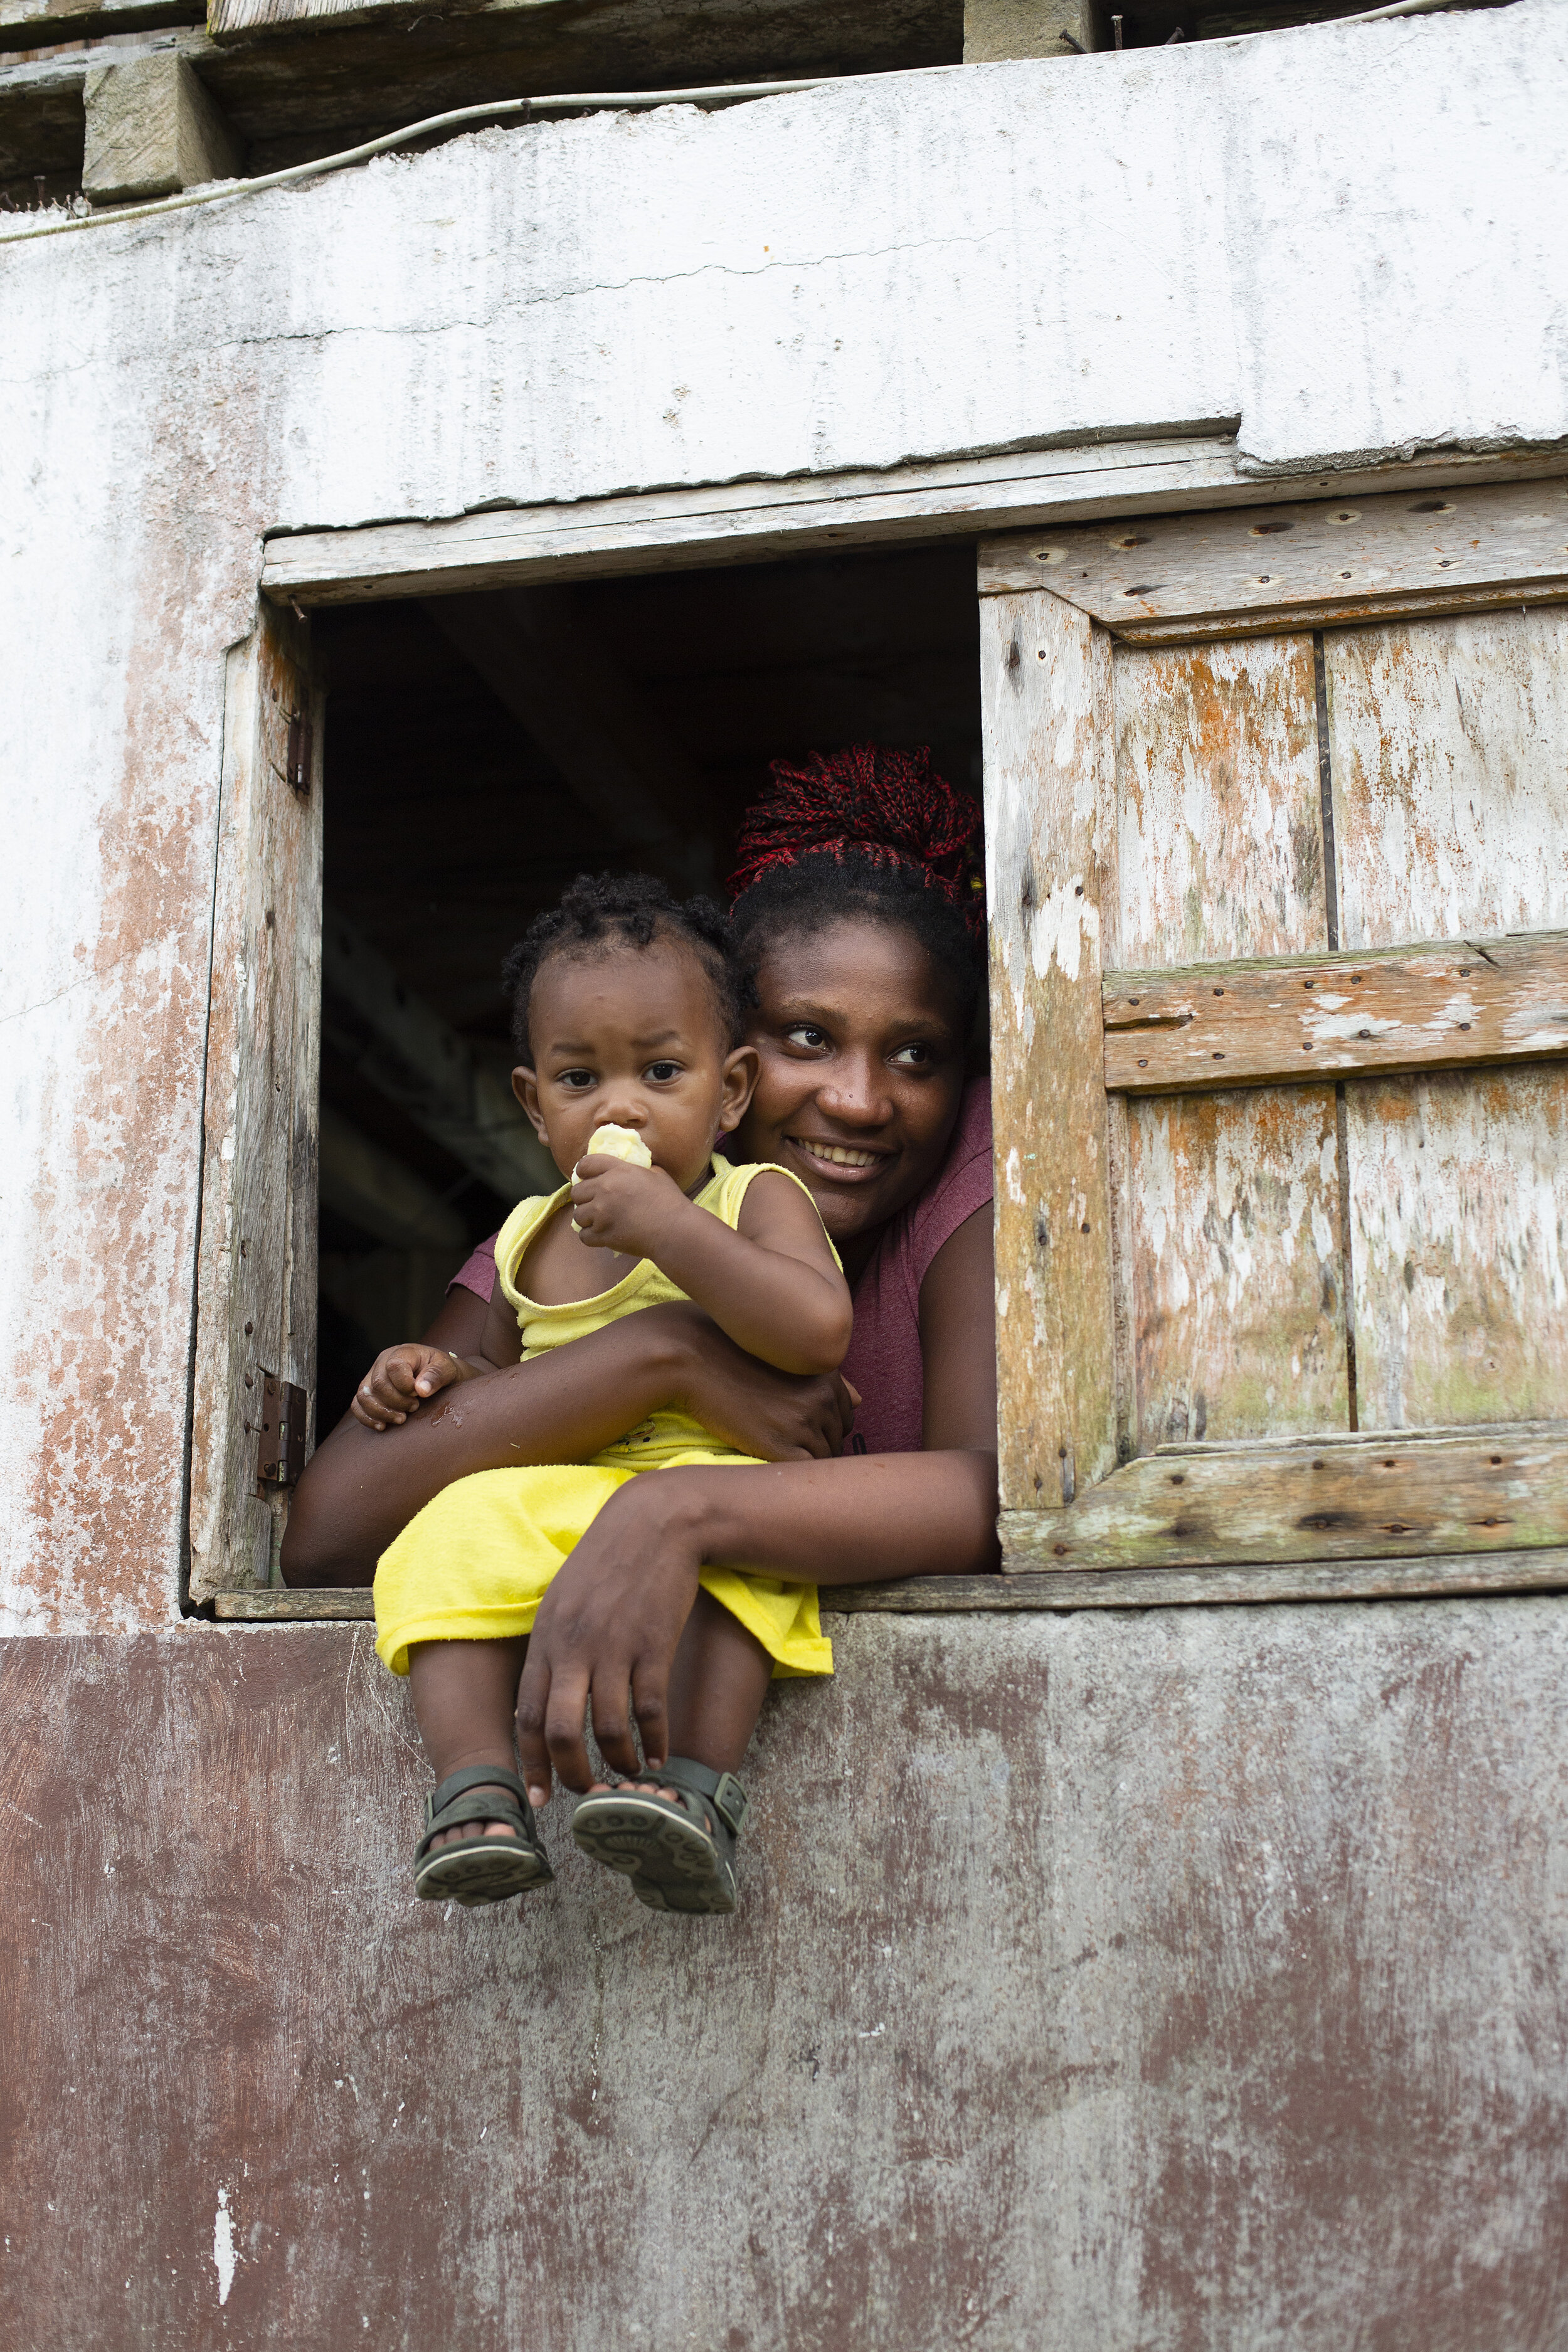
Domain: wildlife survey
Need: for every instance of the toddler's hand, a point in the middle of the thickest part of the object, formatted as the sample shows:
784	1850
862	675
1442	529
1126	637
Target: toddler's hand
617	1206
400	1380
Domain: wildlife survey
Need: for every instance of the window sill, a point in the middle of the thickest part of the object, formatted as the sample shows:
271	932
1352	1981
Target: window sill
1544	1570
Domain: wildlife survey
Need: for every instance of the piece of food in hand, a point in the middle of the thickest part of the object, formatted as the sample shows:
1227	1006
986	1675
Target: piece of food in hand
616	1143
619	1143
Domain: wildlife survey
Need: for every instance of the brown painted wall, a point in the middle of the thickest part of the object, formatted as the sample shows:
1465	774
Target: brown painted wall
1186	1980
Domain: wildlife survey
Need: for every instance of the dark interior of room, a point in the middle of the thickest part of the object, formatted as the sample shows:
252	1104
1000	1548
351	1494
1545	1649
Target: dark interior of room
482	749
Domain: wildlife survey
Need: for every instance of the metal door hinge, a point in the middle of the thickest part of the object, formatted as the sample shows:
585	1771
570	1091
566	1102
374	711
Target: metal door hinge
299	754
280	1448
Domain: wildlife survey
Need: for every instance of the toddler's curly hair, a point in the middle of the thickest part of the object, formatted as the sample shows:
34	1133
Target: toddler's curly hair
601	910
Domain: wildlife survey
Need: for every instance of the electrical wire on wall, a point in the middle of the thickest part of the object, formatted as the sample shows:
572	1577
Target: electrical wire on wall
506	110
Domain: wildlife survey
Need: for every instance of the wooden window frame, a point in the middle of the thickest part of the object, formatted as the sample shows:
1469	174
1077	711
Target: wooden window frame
1343	1514
255	1312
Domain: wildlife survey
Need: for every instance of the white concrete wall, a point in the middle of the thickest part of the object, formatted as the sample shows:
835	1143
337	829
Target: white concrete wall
1350	238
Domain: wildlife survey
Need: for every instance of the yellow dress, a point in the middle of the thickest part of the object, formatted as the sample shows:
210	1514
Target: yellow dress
474	1564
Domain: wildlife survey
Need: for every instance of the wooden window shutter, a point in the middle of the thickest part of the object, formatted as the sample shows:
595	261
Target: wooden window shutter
254	1374
1277	837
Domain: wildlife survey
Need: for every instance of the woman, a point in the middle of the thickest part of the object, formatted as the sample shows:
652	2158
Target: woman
856	900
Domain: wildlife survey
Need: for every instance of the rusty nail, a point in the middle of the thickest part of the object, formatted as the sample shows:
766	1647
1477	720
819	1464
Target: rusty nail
1116	29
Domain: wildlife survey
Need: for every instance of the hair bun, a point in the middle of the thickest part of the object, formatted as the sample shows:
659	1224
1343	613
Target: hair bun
888	806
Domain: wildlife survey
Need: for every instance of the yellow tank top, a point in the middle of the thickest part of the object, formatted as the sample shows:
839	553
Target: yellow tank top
664	1434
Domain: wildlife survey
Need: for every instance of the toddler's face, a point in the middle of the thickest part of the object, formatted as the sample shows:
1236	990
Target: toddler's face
633	1036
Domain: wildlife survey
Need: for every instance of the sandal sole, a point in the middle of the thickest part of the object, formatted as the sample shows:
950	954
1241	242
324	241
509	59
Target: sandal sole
711	1901
472	1875
667	1857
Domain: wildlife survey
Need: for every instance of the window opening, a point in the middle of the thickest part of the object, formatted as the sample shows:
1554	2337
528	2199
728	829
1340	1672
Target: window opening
482	749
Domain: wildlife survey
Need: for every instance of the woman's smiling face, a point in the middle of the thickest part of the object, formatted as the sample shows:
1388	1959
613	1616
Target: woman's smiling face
862	1048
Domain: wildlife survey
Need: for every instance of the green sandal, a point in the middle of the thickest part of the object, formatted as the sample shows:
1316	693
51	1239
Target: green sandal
663	1845
478	1869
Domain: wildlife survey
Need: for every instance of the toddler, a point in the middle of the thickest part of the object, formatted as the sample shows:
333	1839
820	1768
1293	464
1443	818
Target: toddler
627	1016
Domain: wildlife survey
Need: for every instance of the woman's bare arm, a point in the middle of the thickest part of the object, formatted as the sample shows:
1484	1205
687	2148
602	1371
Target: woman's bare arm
958	1341
607	1629
363	1486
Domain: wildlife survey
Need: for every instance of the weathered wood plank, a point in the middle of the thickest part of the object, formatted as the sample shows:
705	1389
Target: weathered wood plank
301	1605
1375	1495
1449	746
1324	1441
1241	1024
255	1281
1219	825
1318	563
1460	1225
1236	1306
1105	1588
1165	1588
1046	690
38	24
1237	1286
752	523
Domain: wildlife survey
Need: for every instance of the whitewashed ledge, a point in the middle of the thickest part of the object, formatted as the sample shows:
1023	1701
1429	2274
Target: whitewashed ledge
1543	1570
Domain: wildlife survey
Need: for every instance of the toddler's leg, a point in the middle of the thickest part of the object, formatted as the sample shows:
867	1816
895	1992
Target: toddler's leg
465	1699
719	1680
668	1837
717	1686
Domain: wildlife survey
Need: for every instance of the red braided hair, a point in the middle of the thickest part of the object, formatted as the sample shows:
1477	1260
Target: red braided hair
887	805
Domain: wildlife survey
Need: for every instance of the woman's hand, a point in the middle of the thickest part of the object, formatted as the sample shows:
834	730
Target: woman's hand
744	1402
400	1381
605	1638
610	1624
